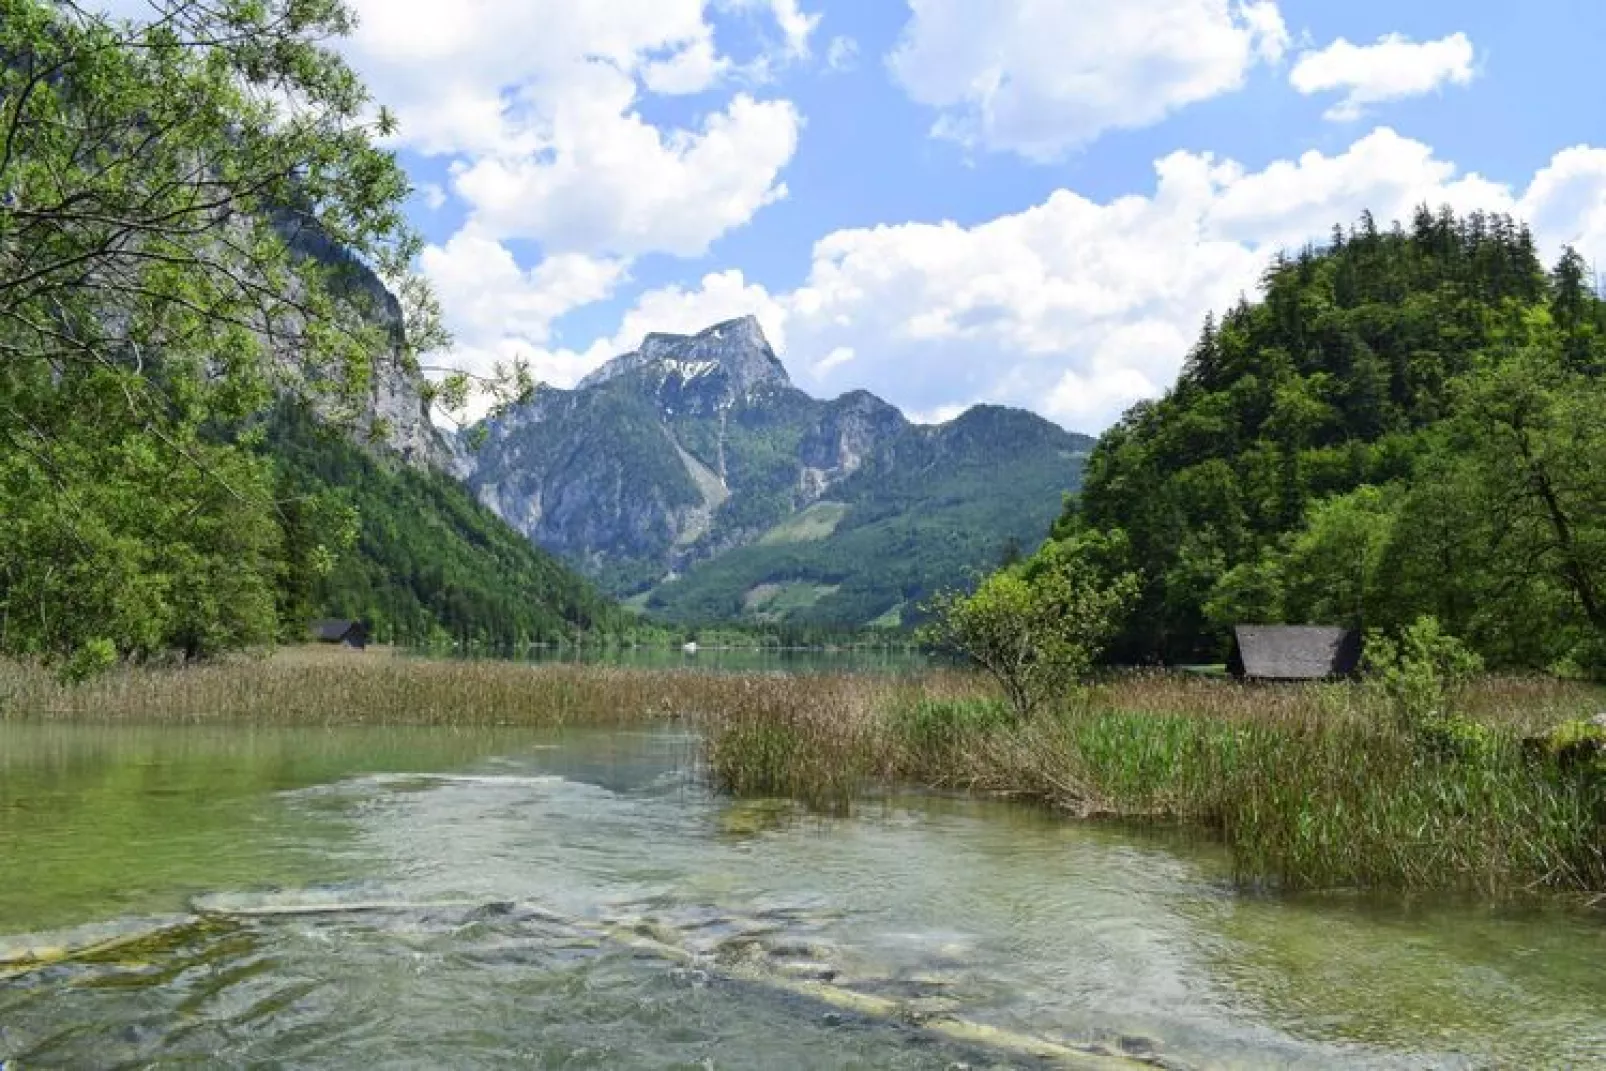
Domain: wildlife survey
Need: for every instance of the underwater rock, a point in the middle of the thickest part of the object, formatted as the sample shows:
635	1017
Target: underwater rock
737	950
798	949
1137	1045
799	968
749	818
657	931
934	979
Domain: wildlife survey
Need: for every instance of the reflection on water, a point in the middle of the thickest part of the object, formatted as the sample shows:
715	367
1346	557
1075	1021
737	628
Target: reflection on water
542	851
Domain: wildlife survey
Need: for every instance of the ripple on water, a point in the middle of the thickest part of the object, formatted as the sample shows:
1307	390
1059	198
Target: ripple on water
431	987
992	912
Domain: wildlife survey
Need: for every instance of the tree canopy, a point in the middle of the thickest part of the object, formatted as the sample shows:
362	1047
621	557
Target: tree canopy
1406	423
1037	625
196	218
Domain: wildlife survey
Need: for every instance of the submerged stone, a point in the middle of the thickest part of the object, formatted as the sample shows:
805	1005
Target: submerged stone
1137	1045
810	969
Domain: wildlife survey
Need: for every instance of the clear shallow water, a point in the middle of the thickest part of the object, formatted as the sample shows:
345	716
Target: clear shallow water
541	850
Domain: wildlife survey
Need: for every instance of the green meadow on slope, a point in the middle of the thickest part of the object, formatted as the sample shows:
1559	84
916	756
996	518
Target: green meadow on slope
895	538
691	479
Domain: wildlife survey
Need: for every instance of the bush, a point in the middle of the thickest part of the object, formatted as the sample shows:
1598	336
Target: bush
1586	661
1457	739
91	659
1420	674
1576	746
1036	627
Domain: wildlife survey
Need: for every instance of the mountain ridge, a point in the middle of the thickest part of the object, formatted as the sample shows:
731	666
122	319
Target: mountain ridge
670	457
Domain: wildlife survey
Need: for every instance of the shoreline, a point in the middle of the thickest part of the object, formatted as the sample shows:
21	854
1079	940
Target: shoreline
1309	787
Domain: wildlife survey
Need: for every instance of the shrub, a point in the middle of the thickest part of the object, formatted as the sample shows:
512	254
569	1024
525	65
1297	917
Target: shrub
1421	673
1457	739
1577	745
1035	627
91	659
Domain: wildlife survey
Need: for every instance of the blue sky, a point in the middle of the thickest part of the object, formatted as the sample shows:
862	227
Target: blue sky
950	201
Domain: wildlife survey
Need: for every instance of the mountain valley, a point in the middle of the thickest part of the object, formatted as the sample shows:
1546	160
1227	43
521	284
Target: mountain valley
691	478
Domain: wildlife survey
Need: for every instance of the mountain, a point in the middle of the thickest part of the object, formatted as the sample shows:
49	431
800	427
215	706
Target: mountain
429	563
394	415
692	477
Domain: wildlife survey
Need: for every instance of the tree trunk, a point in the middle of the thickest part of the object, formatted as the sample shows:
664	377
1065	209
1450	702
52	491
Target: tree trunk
1573	569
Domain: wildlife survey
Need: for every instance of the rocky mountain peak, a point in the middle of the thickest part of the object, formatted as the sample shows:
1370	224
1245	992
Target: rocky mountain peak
736	348
691	475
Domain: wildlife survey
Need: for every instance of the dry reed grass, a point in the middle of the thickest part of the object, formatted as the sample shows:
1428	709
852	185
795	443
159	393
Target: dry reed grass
1521	704
1308	786
1314	786
333	686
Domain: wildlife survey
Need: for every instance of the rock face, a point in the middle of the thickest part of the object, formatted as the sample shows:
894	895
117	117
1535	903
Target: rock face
736	354
668	459
396	418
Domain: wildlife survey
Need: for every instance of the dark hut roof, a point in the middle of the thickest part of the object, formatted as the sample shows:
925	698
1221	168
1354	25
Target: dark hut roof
333	630
1294	652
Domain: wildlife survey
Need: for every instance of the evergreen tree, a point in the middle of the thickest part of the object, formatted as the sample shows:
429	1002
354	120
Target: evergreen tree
1573	306
1407	423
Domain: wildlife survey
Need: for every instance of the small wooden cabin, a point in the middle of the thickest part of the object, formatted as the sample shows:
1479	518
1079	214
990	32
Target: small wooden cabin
1293	653
352	634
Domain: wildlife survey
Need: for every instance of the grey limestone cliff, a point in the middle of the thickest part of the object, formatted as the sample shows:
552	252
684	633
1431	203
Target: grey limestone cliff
690	448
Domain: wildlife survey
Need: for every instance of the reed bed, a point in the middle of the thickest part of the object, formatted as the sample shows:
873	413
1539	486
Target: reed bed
1521	704
1309	787
1314	786
325	686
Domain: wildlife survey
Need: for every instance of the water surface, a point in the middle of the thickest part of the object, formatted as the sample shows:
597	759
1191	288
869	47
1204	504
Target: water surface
789	660
513	861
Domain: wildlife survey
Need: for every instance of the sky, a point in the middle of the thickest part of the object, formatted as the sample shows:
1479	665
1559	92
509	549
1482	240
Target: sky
1027	202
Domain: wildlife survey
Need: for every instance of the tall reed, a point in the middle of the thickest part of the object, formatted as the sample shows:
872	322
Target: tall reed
1309	786
1314	786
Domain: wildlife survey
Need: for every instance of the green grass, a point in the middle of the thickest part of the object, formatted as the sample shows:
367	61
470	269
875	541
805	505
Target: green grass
775	601
813	524
893	618
1308	787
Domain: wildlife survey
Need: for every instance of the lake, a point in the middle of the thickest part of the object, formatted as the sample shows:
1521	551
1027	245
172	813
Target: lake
489	898
747	659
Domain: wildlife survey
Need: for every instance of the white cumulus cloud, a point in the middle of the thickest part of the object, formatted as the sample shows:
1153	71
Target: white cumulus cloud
796	25
622	186
692	69
1566	202
537	103
1393	68
486	295
1039	79
842	54
1075	307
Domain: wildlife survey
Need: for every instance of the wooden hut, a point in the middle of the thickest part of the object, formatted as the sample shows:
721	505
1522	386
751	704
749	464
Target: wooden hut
1293	653
352	634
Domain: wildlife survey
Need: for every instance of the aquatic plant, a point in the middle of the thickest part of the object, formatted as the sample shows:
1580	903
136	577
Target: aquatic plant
1309	787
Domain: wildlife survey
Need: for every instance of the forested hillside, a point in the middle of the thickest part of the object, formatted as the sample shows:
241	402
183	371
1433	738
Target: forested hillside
425	563
1412	420
890	536
691	477
176	259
